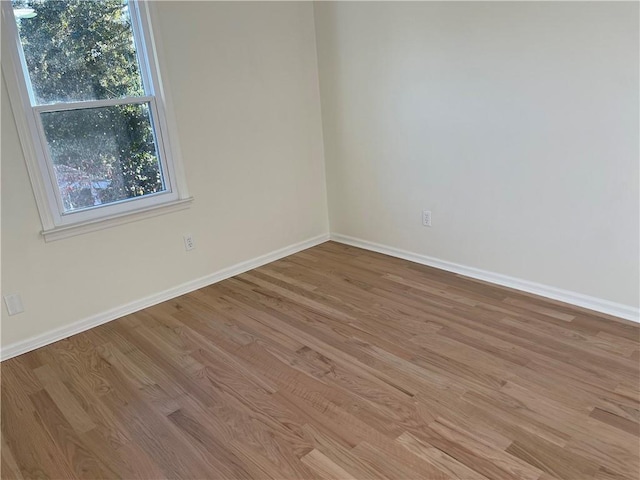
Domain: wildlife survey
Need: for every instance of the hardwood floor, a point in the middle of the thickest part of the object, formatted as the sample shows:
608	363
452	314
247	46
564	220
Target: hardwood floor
332	363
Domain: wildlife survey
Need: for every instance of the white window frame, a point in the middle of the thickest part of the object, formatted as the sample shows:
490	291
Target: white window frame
56	223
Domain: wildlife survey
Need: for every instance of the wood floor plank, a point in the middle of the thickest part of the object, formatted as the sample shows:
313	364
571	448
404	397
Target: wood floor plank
558	463
332	363
67	403
437	457
498	463
68	440
325	467
616	421
227	464
396	462
342	456
9	467
22	430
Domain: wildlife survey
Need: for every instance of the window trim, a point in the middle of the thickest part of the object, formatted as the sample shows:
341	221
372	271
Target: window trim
56	223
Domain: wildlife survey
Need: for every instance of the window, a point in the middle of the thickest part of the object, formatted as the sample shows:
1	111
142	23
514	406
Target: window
92	121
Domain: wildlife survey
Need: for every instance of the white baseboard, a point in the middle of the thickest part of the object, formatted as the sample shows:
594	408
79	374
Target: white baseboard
592	303
43	339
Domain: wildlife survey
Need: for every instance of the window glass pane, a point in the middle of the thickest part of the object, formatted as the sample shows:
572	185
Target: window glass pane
103	155
78	49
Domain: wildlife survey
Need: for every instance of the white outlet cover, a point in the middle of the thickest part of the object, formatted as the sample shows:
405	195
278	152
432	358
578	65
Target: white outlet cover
188	242
14	303
426	218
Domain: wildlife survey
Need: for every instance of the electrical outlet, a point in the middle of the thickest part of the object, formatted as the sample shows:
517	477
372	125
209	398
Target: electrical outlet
14	303
426	218
188	242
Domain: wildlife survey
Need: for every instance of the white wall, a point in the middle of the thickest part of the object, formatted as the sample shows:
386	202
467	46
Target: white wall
516	123
244	81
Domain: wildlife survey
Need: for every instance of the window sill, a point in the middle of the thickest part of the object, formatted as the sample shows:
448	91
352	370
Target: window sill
66	231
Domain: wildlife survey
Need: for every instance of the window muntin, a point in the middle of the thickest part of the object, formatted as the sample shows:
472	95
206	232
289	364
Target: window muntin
69	196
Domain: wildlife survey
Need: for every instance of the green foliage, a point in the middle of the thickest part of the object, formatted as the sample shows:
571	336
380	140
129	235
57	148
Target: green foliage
79	50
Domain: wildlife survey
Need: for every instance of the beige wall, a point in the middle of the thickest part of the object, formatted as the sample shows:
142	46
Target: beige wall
244	82
516	123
